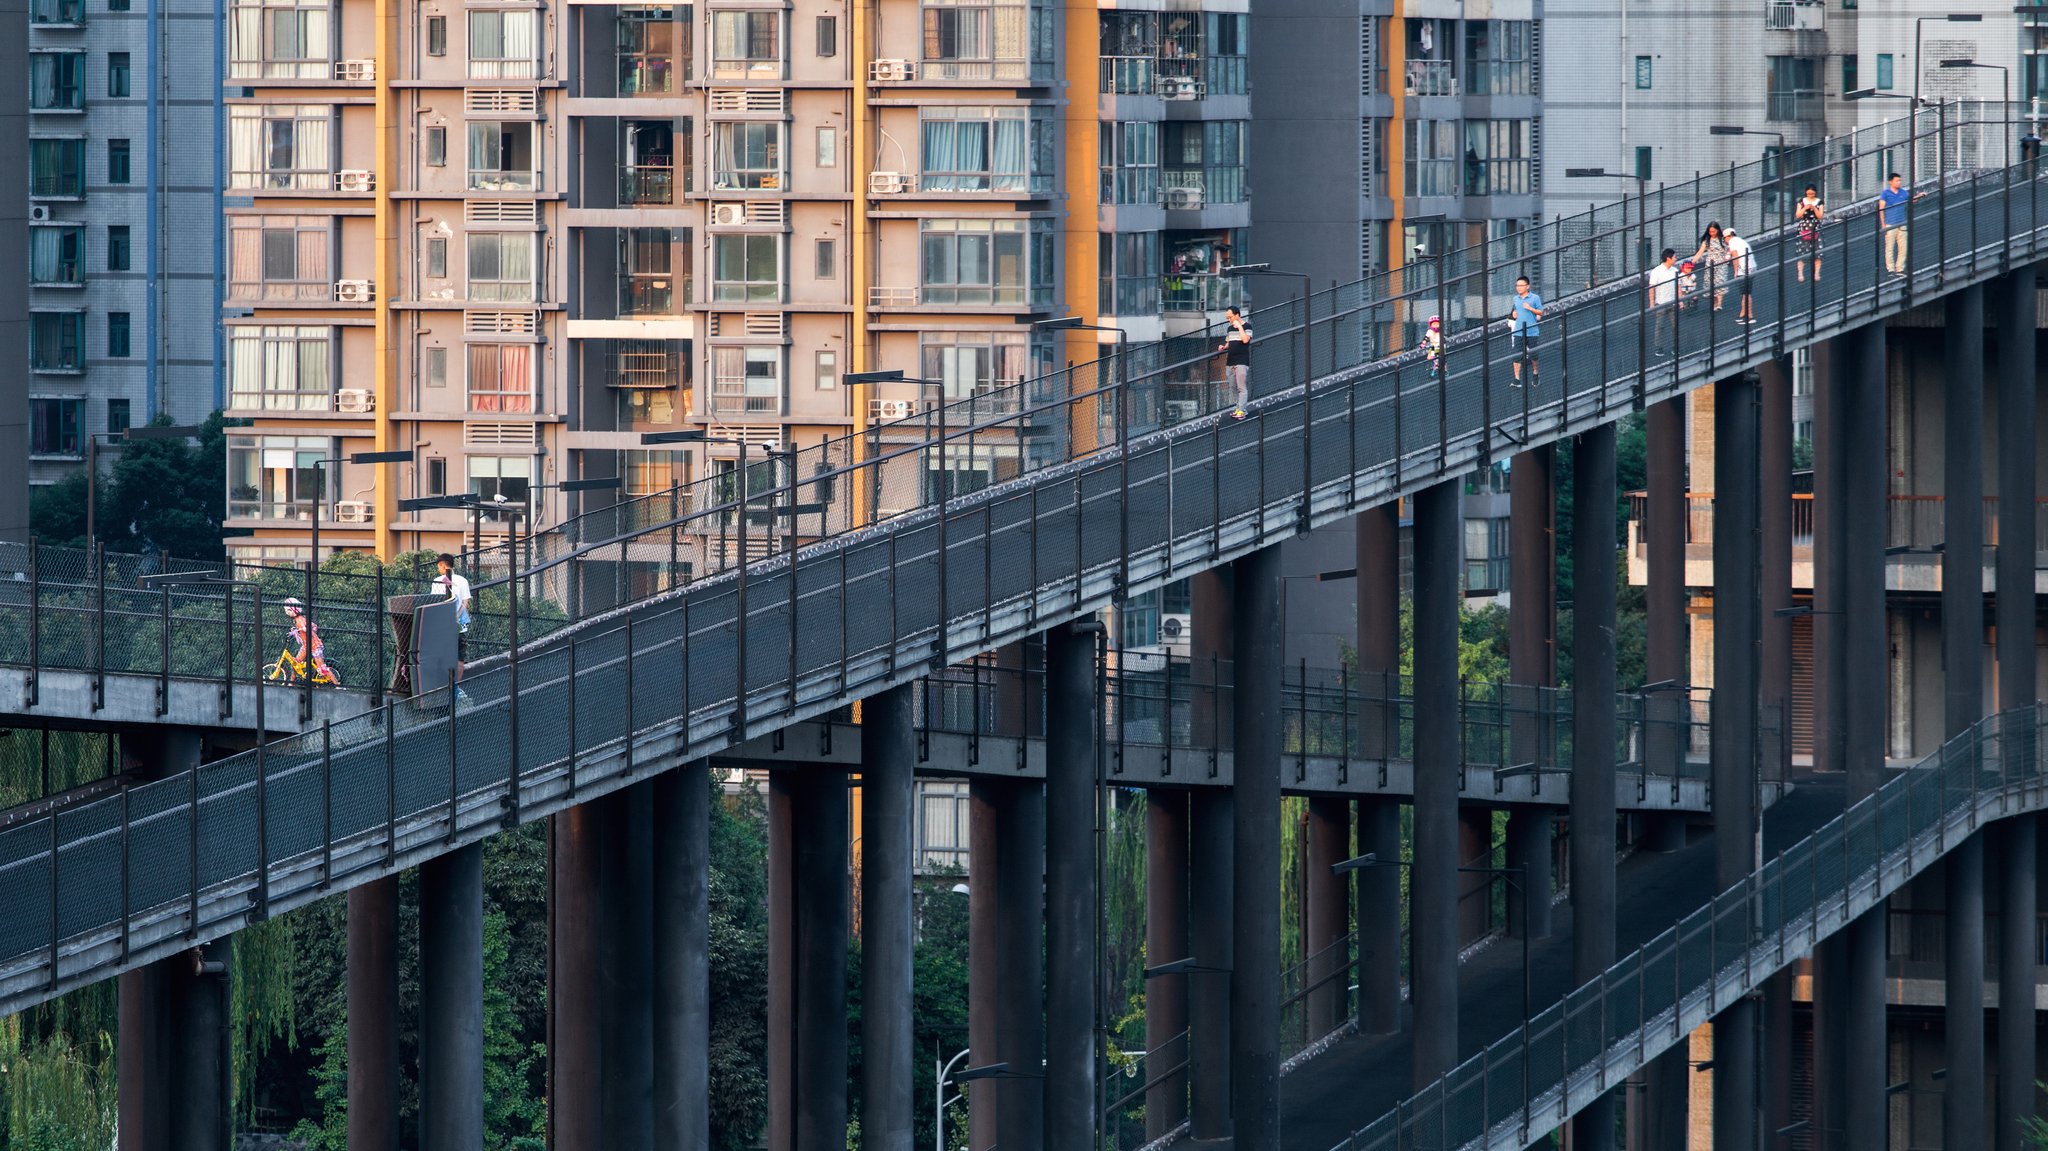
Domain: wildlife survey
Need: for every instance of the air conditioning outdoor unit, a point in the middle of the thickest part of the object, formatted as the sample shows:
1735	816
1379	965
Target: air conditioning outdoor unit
1181	411
356	70
39	212
355	400
890	409
352	512
891	71
353	291
887	183
729	215
1176	633
1183	197
1180	88
357	180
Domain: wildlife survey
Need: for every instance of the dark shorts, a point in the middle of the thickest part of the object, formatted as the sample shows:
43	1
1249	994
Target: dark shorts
1746	285
1522	347
462	647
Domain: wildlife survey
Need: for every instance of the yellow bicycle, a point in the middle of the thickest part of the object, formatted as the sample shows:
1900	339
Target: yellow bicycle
291	669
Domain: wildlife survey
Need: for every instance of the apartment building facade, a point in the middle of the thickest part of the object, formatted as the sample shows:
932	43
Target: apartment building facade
123	254
586	222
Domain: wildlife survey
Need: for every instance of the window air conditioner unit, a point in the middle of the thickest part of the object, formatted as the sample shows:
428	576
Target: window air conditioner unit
355	400
356	70
351	512
353	291
39	213
887	183
1176	633
728	215
357	180
1183	197
1181	411
891	71
889	409
1179	88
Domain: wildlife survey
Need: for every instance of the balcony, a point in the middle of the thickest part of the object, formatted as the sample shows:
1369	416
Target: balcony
648	76
57	13
1431	78
1201	293
1795	106
647	185
651	295
1127	75
1793	15
1201	187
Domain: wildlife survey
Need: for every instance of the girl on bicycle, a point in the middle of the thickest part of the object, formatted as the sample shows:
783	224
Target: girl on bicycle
312	653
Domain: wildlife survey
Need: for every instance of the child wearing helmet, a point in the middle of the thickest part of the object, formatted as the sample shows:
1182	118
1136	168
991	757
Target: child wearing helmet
312	653
1433	345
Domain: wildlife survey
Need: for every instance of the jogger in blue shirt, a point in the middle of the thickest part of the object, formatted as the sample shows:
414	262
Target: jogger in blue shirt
1524	325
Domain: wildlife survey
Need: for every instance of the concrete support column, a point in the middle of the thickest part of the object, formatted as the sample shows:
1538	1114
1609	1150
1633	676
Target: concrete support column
1212	822
201	1117
1071	898
782	885
984	993
373	1016
1532	668
143	1065
1962	646
888	761
822	912
1860	389
682	958
1667	649
1433	879
626	968
575	1052
1830	717
1255	979
1210	652
451	1070
2017	384
1774	570
1734	729
1166	939
1327	908
1379	820
1593	721
1778	1061
1005	978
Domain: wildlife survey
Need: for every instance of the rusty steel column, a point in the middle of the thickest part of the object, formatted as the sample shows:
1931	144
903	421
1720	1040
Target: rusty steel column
1667	642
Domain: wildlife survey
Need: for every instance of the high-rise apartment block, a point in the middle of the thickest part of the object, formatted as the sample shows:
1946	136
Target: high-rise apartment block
124	220
515	237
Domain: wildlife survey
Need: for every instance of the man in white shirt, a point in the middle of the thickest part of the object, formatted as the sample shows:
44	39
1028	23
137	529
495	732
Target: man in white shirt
1740	265
456	587
1663	303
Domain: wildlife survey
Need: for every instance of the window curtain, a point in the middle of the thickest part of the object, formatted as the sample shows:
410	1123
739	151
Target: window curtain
245	39
46	255
941	155
312	261
245	148
486	151
487	34
280	374
311	151
42	80
519	41
1012	154
245	261
1010	32
246	376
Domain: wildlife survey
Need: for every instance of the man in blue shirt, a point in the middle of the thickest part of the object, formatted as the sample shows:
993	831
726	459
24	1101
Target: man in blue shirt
1892	212
1524	325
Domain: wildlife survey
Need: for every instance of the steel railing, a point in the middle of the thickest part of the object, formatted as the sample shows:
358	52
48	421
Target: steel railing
1578	1049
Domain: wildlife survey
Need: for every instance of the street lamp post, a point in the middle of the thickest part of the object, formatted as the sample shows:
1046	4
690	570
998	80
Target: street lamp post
1308	376
1913	117
2004	94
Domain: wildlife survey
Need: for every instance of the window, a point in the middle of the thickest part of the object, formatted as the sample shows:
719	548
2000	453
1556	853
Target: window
747	155
1129	274
53	427
647	282
981	40
1497	59
118	253
828	147
1224	68
117	412
501	377
437	35
56	341
826	374
492	478
1645	73
1430	149
117	5
1486	555
501	156
117	74
279	258
1128	43
1497	157
987	262
117	161
1643	162
118	332
276	477
501	267
649	472
1884	70
280	368
436	145
56	80
437	474
57	11
647	161
1431	50
746	43
654	49
437	257
828	35
968	148
973	363
1130	162
279	40
280	146
502	45
1205	158
434	366
1793	87
747	269
1849	72
56	167
56	255
827	260
746	381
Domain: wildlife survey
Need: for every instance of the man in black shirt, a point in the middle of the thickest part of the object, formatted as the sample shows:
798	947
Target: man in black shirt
1237	358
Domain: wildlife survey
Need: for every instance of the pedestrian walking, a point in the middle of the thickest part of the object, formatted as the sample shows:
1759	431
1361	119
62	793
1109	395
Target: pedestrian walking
1525	324
1741	263
1713	252
1892	208
1433	346
1808	215
455	586
1237	358
1663	300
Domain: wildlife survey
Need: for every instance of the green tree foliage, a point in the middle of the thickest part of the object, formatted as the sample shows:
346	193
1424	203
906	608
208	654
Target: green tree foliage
938	1006
158	495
